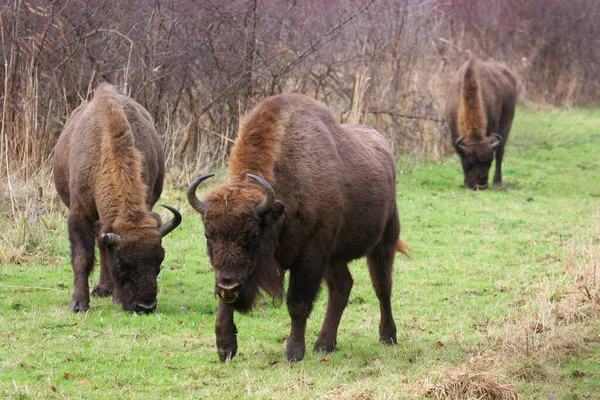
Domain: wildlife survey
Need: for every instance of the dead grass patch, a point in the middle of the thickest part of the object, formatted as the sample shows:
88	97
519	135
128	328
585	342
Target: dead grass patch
559	321
480	378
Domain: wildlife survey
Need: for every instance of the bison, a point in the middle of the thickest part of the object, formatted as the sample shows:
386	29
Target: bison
480	108
108	170
305	195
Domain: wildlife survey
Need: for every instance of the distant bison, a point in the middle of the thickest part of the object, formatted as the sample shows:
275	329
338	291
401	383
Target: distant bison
108	169
304	195
480	108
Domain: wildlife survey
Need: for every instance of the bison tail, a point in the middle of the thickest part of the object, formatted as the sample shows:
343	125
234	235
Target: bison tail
403	248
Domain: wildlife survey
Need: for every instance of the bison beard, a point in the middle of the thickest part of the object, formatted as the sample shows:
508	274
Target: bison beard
305	195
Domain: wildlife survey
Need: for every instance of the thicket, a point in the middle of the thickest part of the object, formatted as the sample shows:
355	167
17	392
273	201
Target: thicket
199	65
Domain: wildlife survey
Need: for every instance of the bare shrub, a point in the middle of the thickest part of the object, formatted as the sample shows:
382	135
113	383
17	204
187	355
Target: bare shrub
199	67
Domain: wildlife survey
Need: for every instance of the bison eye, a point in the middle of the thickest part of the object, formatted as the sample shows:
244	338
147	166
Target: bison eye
252	239
123	271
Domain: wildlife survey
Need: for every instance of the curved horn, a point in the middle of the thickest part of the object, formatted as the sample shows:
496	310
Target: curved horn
171	224
500	140
459	147
269	200
110	238
194	201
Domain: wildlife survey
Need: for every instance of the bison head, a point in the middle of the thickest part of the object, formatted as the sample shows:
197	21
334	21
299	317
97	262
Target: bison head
241	225
476	157
134	254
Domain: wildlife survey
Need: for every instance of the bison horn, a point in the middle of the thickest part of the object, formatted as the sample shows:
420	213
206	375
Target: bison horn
269	200
459	147
110	238
194	201
500	139
171	224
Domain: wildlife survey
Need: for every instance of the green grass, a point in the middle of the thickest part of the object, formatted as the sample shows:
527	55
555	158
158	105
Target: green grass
484	262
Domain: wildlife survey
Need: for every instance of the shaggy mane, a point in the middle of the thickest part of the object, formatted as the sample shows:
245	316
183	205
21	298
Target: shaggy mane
121	191
256	149
472	120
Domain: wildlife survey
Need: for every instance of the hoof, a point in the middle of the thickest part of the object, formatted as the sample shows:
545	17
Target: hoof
326	346
295	353
100	291
389	340
79	306
227	353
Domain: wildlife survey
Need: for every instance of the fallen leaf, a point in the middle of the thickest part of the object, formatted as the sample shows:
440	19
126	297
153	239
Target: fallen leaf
84	381
578	374
53	388
439	344
68	375
324	360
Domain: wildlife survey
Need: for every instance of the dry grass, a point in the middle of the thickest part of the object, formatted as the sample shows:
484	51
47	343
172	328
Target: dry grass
28	227
559	321
480	378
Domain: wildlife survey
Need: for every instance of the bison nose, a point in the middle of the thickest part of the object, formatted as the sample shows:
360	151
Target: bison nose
143	307
228	290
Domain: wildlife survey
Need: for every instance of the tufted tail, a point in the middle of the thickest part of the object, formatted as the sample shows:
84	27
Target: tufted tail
403	248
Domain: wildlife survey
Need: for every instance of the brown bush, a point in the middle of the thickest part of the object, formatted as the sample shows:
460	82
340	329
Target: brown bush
198	66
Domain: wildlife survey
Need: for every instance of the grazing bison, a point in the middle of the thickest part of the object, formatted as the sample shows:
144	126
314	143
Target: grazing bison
479	110
303	195
108	169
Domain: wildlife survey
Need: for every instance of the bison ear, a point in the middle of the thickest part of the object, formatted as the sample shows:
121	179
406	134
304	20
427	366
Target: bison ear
276	211
156	216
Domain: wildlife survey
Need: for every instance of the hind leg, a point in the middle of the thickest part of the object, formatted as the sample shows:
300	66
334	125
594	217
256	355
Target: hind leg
498	172
339	284
381	262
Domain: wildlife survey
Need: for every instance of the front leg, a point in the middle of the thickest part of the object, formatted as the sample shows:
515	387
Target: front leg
305	281
226	333
81	236
105	286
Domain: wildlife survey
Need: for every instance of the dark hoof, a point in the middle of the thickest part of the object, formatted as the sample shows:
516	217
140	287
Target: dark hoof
295	353
389	340
79	306
327	346
100	291
227	353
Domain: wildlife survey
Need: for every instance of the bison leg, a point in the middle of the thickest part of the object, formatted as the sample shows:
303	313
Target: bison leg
339	284
381	262
498	173
226	333
105	286
305	280
81	235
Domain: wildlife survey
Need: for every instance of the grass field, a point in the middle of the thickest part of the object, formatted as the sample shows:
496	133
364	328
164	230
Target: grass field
501	299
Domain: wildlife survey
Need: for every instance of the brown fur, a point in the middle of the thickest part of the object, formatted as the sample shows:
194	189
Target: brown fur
481	102
108	169
257	150
471	114
335	202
